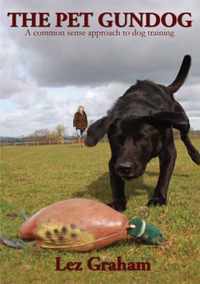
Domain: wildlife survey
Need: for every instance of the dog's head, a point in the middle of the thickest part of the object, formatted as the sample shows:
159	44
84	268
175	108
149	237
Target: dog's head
134	141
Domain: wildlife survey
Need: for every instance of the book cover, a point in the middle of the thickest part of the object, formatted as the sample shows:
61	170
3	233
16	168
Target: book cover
100	125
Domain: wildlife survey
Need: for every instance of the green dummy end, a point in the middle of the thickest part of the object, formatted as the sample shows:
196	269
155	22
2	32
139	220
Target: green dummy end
147	233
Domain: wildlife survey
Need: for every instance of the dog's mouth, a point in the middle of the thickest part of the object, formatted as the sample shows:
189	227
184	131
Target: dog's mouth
130	176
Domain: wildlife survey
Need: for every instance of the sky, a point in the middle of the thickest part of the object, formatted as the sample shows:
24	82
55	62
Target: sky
44	80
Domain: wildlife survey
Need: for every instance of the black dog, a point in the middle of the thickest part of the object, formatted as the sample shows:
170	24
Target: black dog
139	128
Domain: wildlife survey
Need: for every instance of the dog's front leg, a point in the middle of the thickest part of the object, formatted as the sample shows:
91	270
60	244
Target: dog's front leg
167	158
117	186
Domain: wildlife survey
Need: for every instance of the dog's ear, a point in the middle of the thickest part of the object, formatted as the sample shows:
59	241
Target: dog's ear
96	131
178	120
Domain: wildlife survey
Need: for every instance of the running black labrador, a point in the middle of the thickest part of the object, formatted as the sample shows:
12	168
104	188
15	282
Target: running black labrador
140	127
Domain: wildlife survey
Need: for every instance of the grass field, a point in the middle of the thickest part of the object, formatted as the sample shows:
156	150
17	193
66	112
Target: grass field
36	176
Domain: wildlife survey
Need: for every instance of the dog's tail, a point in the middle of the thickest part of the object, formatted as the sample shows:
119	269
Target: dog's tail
194	154
182	75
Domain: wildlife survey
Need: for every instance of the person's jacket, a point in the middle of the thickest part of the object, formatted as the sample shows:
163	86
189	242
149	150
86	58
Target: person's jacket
80	120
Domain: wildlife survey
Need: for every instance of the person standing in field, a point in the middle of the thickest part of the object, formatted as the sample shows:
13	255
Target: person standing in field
80	123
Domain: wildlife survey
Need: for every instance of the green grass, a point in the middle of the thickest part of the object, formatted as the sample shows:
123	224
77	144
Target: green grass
36	176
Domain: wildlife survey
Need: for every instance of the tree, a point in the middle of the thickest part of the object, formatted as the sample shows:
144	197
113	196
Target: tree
60	133
60	129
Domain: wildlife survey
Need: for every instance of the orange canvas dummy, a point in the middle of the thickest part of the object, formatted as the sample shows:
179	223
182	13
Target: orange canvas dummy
75	224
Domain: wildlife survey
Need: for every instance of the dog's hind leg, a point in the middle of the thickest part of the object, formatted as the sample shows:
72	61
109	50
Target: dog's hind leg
194	154
167	159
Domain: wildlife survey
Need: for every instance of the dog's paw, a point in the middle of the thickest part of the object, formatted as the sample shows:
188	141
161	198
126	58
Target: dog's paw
157	201
119	206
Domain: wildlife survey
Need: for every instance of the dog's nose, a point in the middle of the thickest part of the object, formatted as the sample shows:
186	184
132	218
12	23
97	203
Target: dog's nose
125	167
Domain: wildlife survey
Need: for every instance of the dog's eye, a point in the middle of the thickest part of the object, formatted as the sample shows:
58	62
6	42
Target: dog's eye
121	139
